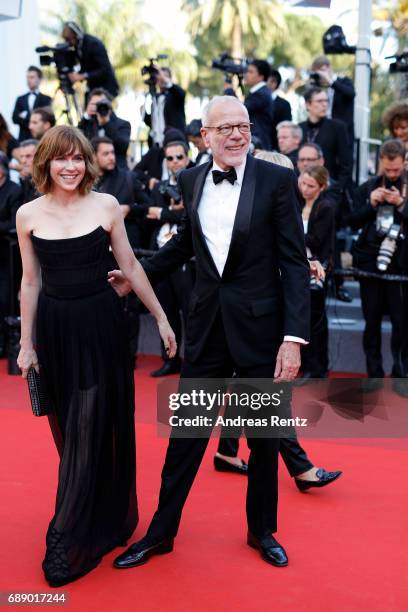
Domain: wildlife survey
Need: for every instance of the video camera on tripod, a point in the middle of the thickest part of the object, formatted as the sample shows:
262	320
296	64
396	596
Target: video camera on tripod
230	66
153	72
64	56
400	64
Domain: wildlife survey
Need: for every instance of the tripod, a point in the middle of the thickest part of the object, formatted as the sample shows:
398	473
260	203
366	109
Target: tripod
70	98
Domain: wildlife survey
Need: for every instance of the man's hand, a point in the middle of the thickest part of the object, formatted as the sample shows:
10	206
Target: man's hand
287	362
377	196
119	282
324	78
154	212
317	270
75	76
393	196
152	182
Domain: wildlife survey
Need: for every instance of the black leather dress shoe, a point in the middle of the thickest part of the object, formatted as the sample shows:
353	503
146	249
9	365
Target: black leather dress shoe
223	466
324	477
140	553
168	367
271	551
343	295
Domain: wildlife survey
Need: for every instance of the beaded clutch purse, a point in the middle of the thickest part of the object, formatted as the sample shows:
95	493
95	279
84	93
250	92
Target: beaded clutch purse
38	395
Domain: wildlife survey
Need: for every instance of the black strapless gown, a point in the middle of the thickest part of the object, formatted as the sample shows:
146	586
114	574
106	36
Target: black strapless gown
84	356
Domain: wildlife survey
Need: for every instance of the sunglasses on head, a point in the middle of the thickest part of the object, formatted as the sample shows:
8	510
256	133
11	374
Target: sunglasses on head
172	157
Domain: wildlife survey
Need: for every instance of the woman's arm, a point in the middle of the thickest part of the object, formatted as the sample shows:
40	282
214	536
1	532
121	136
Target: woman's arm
136	276
30	288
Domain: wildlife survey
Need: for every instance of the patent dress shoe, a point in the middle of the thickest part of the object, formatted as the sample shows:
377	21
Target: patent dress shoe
271	551
168	367
324	477
140	553
343	295
224	466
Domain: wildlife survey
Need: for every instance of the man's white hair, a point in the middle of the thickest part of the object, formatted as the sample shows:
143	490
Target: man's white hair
214	102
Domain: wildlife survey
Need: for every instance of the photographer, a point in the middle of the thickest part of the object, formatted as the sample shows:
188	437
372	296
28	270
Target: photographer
100	120
167	107
123	184
340	90
96	68
26	103
381	213
166	215
318	223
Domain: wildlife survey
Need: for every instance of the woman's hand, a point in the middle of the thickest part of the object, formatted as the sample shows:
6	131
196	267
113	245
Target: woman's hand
27	358
119	282
168	337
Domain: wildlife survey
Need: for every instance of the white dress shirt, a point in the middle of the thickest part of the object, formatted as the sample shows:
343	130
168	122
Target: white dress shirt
217	210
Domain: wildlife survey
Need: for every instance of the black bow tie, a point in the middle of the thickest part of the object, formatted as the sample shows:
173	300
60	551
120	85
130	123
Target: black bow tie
230	176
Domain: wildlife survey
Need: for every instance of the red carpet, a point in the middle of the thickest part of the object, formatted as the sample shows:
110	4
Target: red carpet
347	544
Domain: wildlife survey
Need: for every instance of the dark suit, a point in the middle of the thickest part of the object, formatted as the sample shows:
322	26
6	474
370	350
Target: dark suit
332	137
95	62
174	114
281	112
236	321
260	107
343	104
118	130
21	105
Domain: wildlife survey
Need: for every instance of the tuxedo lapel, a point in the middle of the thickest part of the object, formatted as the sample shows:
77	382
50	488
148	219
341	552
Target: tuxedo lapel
242	220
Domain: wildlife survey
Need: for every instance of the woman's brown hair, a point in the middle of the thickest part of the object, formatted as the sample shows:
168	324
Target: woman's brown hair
4	134
394	114
58	141
319	174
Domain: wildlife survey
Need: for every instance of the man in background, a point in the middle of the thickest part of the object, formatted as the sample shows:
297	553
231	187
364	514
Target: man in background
41	120
167	108
281	107
26	103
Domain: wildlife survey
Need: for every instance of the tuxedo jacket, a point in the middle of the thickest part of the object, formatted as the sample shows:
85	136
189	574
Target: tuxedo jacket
22	105
95	61
343	103
260	107
263	293
333	139
281	112
174	114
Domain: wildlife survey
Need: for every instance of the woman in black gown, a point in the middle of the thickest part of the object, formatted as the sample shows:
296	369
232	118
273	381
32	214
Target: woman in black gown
83	353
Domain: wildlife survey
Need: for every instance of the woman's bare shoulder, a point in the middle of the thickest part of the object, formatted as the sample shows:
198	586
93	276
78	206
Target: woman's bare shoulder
106	200
27	211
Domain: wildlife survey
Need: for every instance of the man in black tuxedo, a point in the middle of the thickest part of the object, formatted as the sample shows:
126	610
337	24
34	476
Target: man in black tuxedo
329	134
281	107
259	102
96	68
248	313
26	103
102	121
167	108
340	91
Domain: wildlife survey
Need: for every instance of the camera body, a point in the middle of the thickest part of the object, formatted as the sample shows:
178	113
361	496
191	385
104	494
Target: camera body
103	107
314	79
400	64
152	70
170	191
64	57
388	247
230	66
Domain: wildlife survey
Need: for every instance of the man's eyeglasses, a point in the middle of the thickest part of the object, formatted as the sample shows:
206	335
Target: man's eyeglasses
172	157
226	130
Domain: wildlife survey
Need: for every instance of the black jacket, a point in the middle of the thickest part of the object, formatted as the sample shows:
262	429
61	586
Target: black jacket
118	130
20	106
264	291
260	108
363	217
320	230
281	112
95	61
151	165
332	137
174	114
11	198
343	103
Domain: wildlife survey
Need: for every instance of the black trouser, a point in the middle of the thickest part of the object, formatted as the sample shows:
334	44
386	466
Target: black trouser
4	301
376	295
184	455
315	355
174	294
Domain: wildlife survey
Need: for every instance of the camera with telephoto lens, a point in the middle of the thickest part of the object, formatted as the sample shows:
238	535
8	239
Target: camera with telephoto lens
64	57
388	247
314	79
152	70
171	191
103	107
400	64
230	66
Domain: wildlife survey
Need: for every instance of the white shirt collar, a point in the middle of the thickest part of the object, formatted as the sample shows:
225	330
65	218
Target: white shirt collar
238	169
257	86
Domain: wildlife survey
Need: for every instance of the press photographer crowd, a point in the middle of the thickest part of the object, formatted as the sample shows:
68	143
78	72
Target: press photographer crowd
320	150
